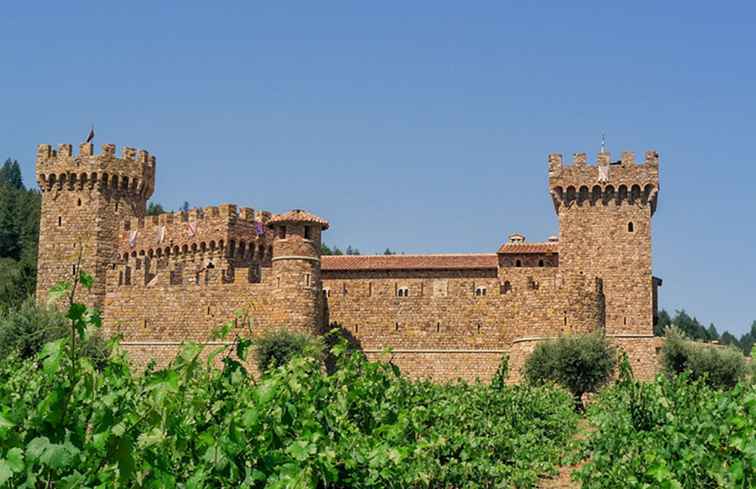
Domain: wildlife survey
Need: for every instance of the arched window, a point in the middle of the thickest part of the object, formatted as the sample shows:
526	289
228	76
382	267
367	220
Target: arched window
402	292
480	291
518	263
541	263
630	227
60	221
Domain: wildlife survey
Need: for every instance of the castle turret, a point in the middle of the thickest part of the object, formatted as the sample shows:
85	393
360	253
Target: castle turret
296	270
605	215
84	199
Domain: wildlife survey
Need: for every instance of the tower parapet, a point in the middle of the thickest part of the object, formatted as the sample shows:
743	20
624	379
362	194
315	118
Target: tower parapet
606	181
133	173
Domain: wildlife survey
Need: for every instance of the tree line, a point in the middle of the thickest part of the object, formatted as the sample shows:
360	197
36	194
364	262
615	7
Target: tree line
694	330
19	234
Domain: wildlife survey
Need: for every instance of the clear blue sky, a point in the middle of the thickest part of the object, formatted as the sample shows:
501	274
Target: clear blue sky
421	126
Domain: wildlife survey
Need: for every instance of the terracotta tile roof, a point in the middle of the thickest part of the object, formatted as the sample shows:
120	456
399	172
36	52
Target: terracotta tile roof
299	215
527	248
408	262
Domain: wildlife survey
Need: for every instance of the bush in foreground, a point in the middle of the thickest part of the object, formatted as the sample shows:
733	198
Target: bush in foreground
25	330
719	367
276	348
580	363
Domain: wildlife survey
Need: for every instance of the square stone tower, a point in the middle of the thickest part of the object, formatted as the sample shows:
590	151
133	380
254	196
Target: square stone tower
85	199
605	213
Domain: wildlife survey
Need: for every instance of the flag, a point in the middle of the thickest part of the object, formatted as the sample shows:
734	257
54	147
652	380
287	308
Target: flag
259	228
90	136
191	228
603	173
133	238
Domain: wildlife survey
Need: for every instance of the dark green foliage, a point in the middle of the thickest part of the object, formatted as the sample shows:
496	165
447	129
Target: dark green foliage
154	209
388	251
693	329
717	366
19	233
277	348
663	321
580	363
26	329
326	250
671	433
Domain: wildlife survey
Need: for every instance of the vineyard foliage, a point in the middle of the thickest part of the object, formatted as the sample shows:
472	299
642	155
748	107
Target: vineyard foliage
66	424
672	433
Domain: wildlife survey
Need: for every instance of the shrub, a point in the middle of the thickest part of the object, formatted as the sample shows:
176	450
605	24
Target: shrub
25	330
580	363
276	348
720	367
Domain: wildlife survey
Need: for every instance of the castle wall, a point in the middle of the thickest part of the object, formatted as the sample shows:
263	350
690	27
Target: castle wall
442	324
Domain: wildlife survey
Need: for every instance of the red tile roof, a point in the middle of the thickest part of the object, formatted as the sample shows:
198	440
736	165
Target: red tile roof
408	262
528	248
299	215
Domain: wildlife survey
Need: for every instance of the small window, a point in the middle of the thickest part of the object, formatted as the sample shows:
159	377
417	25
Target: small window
326	292
116	207
370	289
282	232
505	287
402	292
480	326
356	328
343	289
480	291
438	327
541	263
308	232
630	227
518	263
396	326
78	202
60	221
307	279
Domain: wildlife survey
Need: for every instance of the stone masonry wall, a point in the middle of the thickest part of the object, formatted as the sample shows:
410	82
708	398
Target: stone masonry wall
444	322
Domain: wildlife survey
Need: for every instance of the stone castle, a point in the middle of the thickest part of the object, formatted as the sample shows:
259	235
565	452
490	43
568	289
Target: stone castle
162	280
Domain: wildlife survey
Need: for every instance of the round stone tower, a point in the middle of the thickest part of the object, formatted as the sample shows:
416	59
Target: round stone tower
297	287
85	200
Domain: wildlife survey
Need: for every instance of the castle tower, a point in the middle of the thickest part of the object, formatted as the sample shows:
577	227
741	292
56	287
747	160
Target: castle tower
85	200
297	287
605	213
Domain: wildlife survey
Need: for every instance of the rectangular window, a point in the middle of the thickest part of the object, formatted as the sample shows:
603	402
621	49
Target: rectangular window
282	232
308	232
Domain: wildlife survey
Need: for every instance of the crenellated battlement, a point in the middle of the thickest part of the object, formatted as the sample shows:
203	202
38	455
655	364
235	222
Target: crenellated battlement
606	182
223	230
131	173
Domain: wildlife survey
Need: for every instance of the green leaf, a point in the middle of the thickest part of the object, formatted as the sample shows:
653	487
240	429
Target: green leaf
37	447
222	331
51	356
153	437
58	456
76	311
15	459
57	291
86	280
5	423
5	472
